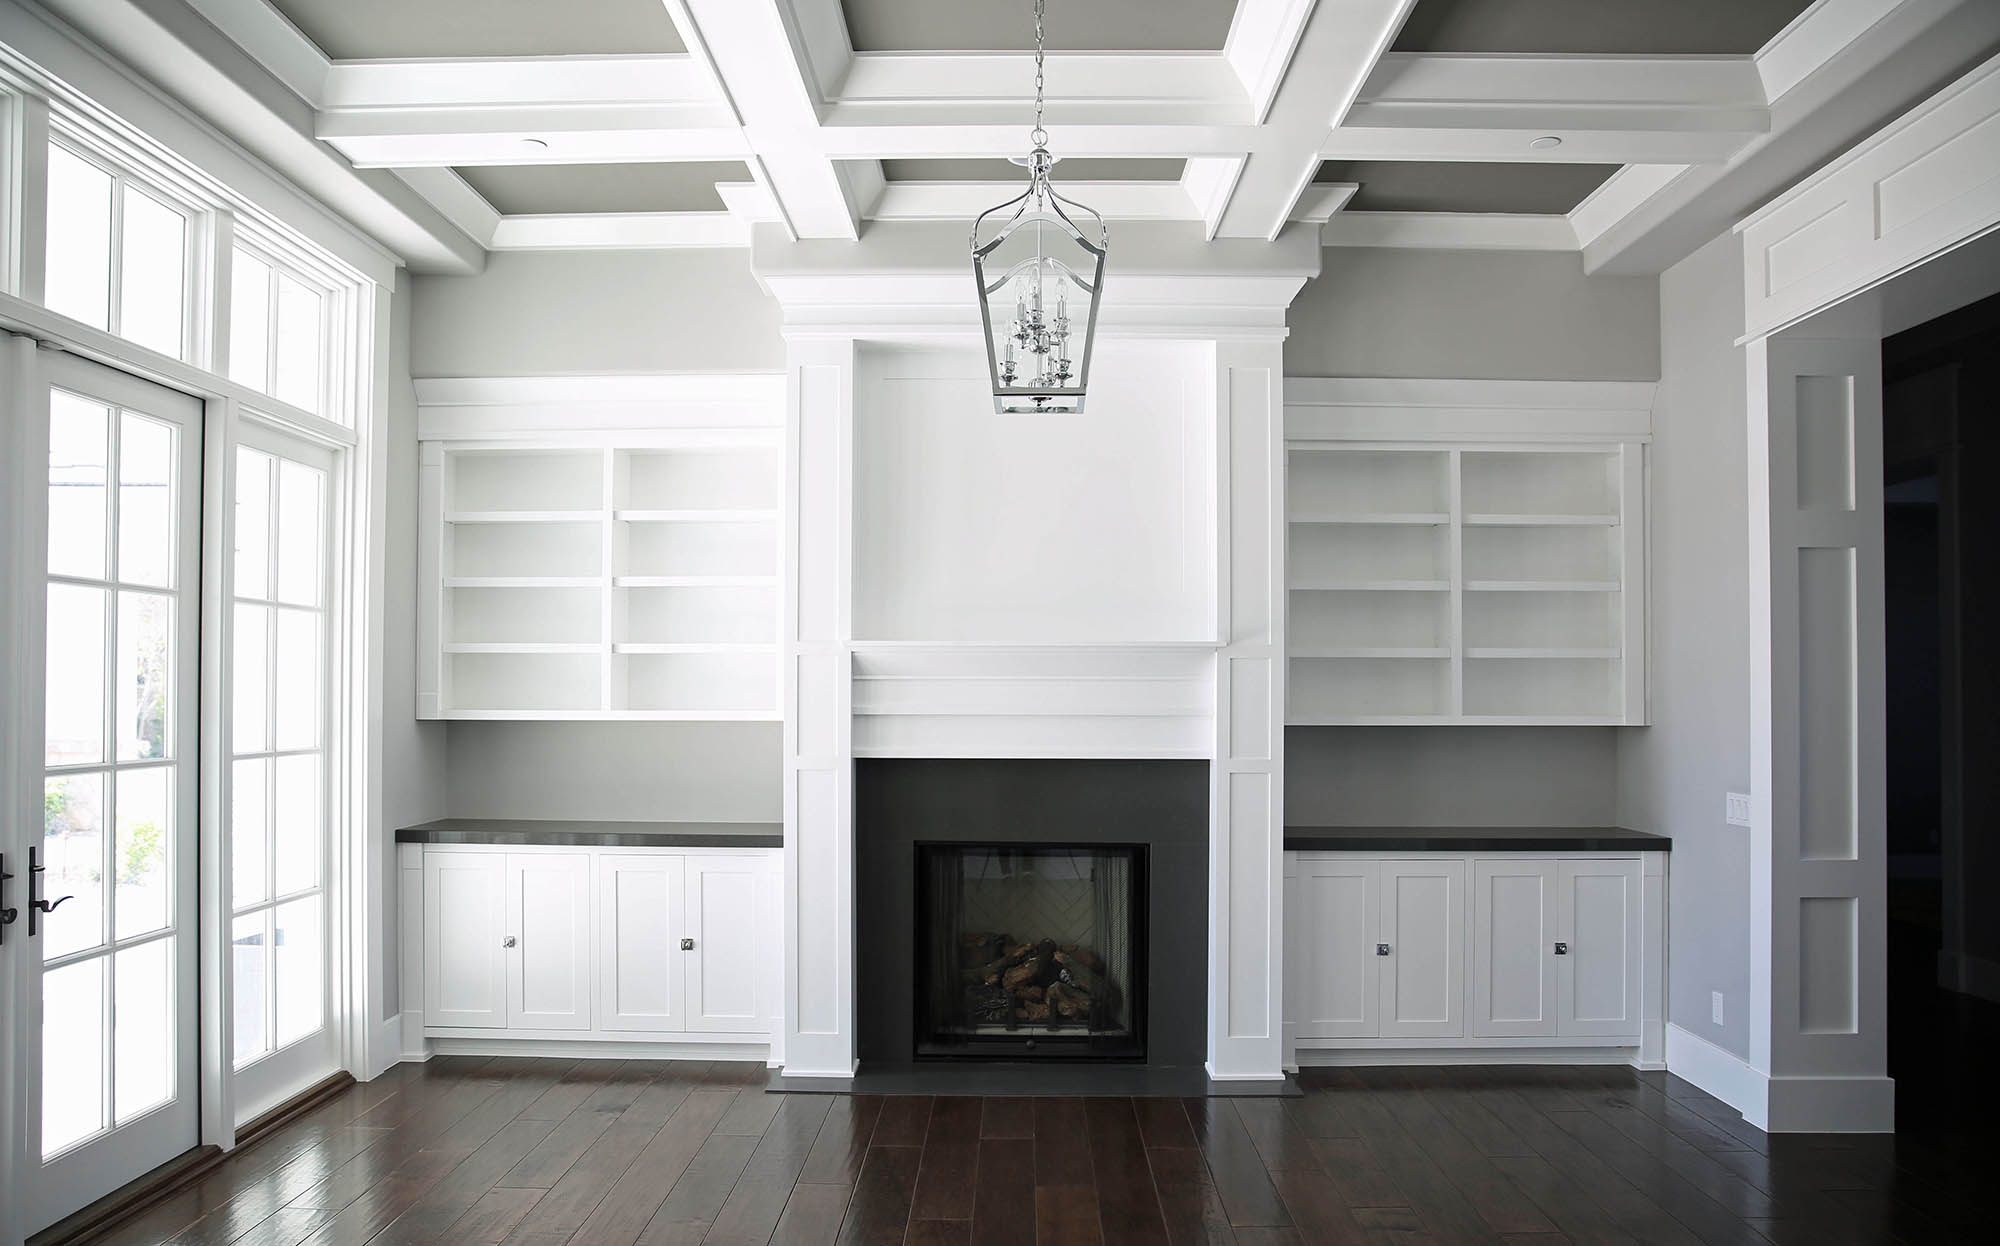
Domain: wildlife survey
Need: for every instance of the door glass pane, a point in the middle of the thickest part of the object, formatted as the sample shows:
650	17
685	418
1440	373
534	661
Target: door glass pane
145	502
299	337
250	727
247	939
248	827
296	818
145	675
297	673
73	851
74	687
299	958
253	524
72	1054
79	462
142	1015
152	286
249	321
299	565
77	282
141	901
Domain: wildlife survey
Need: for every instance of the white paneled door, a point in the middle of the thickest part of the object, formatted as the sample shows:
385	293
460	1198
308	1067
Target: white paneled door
104	975
278	771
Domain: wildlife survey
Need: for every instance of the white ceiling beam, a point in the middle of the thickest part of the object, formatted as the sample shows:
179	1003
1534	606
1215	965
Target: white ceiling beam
1183	89
762	55
1321	200
1262	38
452	195
1449	231
1339	46
1208	182
1834	75
962	201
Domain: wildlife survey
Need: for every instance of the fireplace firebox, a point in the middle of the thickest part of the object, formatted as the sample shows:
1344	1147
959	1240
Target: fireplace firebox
1027	951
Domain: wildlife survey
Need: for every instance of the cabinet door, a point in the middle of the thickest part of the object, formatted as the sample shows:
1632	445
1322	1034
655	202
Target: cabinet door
548	904
1332	974
1423	928
1597	981
465	966
727	983
641	971
1514	938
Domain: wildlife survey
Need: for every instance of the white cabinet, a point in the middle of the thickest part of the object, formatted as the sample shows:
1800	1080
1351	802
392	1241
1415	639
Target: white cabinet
1513	948
600	943
1486	950
641	910
465	960
1597	983
1422	948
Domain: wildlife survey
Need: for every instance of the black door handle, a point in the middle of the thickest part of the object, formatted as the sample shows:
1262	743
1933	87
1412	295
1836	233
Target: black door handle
35	902
7	915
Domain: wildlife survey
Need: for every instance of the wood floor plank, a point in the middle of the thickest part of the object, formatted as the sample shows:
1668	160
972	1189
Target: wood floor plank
1007	1117
1062	1145
582	1080
1315	1207
842	1142
1127	1204
1280	1143
571	1199
1359	1180
750	1215
813	1214
1443	1206
573	1135
1004	1190
1066	1215
1566	1203
490	1219
878	1213
697	1198
750	1113
1682	1200
1499	1202
903	1122
939	1233
950	1164
1163	1123
1189	1205
629	1205
1240	1177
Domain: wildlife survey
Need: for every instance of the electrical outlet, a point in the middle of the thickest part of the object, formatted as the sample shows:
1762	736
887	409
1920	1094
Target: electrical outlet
1715	1007
1736	808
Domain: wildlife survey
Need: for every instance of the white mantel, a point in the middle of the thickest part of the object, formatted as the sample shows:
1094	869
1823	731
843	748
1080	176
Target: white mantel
1146	535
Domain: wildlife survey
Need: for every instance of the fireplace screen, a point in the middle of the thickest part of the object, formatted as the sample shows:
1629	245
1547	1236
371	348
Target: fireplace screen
1028	951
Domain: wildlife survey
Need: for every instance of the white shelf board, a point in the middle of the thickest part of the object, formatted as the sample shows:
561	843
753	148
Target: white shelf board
589	516
1374	720
1366	651
524	648
1410	518
1374	586
523	581
649	647
1533	654
1508	520
741	715
715	515
1541	586
694	581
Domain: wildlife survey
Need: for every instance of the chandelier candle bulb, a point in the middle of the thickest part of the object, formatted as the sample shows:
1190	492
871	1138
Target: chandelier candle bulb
1031	250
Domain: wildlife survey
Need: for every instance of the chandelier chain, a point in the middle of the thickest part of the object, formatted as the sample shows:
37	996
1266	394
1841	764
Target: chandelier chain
1039	135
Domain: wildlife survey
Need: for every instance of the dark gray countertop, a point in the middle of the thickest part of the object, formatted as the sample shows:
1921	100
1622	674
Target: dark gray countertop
1474	839
596	834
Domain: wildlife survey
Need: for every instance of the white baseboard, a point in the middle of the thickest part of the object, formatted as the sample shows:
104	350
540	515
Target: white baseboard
1783	1104
588	1049
411	1041
1328	1057
846	1074
1214	1076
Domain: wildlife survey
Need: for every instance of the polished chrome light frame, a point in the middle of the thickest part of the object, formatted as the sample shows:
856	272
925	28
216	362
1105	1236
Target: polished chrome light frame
1047	212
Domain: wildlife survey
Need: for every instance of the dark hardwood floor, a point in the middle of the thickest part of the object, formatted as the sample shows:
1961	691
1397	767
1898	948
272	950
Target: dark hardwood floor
612	1153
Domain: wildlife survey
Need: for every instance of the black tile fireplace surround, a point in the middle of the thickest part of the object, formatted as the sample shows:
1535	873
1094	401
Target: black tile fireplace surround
1014	806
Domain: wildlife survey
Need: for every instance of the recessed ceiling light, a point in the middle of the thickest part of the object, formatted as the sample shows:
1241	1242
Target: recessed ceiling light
543	143
1546	142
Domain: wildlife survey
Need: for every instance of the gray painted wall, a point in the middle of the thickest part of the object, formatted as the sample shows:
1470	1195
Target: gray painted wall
545	313
413	778
1672	776
621	772
1451	776
1479	315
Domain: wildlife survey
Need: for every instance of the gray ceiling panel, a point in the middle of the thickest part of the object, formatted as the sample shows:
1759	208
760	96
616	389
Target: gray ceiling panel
534	189
385	29
1648	27
1414	186
1008	25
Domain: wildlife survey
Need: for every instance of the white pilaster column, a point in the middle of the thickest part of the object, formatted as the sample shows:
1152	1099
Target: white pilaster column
1246	847
819	756
1818	976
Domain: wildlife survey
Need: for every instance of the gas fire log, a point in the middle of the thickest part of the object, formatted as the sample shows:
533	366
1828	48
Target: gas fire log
992	971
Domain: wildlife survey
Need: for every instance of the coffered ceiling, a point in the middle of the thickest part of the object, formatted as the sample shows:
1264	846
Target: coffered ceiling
1625	130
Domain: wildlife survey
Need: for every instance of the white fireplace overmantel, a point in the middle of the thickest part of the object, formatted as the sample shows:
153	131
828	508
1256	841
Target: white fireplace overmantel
965	584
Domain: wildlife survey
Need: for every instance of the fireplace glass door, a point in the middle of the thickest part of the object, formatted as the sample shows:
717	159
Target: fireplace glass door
1030	951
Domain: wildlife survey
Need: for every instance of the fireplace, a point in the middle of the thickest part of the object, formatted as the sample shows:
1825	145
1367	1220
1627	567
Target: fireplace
1031	951
1079	887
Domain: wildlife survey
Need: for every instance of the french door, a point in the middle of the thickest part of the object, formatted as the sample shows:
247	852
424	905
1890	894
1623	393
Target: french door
104	956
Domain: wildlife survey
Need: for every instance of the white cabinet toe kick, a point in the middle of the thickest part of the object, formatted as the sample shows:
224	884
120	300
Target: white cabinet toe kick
591	951
1475	958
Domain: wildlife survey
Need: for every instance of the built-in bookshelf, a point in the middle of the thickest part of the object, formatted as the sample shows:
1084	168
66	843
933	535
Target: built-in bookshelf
611	574
1453	584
